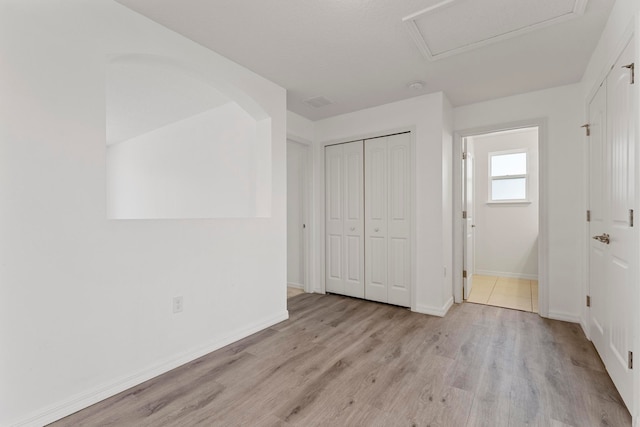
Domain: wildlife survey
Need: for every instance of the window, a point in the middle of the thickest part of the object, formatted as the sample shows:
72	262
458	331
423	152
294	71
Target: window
508	176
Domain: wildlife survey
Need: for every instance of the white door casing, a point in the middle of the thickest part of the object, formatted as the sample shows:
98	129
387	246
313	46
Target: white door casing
344	219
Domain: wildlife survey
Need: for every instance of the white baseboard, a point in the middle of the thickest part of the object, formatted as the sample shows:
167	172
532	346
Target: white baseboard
565	317
295	285
87	398
434	311
585	328
506	274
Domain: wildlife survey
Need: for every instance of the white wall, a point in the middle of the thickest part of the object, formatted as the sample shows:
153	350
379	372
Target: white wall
561	107
429	117
506	234
199	167
85	302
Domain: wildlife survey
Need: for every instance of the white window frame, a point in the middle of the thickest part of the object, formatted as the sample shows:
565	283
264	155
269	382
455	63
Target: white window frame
501	177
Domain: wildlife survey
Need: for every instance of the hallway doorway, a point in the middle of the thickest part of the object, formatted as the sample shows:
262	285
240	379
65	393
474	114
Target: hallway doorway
500	218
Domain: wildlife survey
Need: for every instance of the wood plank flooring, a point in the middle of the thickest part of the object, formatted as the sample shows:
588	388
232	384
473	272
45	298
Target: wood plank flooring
340	361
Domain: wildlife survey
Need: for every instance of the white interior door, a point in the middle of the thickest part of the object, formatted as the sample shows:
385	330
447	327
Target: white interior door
468	222
621	270
613	249
344	219
296	212
598	181
388	219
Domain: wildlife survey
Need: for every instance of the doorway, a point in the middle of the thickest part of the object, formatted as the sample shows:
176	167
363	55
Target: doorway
500	192
297	217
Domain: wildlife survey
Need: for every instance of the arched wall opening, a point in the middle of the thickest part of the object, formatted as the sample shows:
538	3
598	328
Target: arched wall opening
183	145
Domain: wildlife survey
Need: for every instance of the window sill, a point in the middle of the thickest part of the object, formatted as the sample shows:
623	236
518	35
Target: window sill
509	202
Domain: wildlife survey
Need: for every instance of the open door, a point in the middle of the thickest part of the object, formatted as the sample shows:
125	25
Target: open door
467	203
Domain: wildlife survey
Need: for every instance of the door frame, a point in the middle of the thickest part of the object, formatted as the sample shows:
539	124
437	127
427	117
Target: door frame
543	227
321	208
307	236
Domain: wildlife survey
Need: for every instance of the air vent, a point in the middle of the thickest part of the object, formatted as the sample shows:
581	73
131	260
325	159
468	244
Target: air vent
318	101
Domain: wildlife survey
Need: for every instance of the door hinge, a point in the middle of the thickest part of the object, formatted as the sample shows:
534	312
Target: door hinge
631	360
464	274
464	155
464	214
631	67
588	216
588	300
588	128
630	217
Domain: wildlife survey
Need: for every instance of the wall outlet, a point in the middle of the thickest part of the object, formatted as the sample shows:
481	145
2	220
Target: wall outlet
177	304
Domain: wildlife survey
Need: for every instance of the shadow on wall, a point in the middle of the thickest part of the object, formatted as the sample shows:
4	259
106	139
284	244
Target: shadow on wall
180	145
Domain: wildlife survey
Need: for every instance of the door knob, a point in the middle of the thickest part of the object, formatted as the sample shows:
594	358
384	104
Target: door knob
604	238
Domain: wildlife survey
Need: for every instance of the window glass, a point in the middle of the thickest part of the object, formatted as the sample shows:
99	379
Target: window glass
509	189
509	164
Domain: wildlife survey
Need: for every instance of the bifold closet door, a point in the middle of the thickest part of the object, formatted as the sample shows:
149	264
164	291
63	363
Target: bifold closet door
344	219
387	219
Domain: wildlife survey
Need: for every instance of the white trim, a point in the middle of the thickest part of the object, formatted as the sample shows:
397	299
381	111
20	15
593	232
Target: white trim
89	397
543	194
434	311
295	285
564	317
506	274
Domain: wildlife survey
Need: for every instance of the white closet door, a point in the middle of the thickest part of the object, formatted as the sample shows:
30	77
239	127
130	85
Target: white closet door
376	215
344	219
399	222
387	220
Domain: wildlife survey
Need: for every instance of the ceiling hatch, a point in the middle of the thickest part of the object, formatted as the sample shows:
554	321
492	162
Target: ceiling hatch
451	27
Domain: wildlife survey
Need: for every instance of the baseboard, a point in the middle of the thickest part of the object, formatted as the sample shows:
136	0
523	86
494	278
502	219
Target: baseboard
585	328
295	285
565	317
434	311
85	399
506	274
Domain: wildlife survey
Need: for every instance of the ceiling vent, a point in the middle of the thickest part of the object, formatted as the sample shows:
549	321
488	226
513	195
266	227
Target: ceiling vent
318	101
451	27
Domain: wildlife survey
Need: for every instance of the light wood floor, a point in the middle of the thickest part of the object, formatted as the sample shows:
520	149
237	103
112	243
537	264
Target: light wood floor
519	294
347	362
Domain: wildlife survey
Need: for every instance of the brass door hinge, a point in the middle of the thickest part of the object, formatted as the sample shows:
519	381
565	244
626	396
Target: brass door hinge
588	128
464	274
631	67
464	155
588	216
464	214
631	360
588	301
630	217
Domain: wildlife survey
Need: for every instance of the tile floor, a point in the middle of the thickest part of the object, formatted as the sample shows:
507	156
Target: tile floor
520	294
292	292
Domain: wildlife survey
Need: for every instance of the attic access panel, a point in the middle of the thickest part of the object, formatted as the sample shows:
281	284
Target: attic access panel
455	26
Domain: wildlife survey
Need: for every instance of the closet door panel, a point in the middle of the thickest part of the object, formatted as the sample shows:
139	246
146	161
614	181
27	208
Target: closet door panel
334	184
376	212
353	226
399	222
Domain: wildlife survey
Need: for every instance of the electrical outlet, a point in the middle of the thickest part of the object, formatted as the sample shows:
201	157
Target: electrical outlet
177	304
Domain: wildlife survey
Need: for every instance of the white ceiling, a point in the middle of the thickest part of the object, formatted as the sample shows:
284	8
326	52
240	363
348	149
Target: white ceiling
359	53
